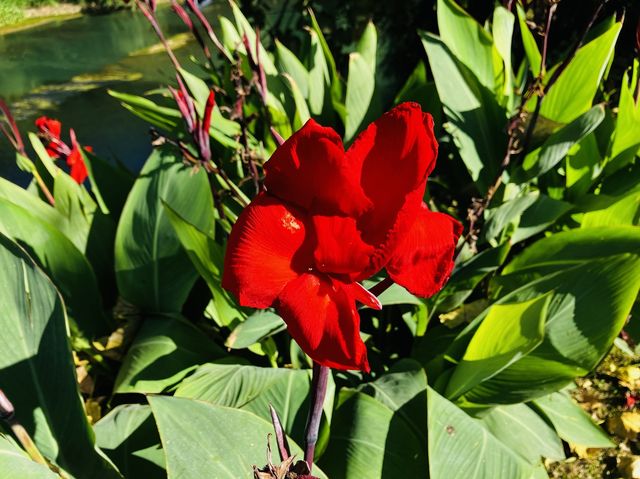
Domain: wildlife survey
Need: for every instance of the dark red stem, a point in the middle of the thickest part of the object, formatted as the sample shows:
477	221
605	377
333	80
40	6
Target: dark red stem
318	392
151	17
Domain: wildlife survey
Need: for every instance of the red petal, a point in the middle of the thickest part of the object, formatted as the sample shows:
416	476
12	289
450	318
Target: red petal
397	151
364	296
48	125
321	316
264	251
78	170
423	262
338	246
311	171
50	128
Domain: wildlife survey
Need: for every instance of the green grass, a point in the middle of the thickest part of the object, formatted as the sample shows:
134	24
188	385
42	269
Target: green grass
10	13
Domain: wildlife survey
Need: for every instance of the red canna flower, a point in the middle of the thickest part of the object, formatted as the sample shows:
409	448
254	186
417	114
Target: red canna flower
50	129
330	219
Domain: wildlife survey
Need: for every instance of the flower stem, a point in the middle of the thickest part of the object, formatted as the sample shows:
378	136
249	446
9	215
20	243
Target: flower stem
318	392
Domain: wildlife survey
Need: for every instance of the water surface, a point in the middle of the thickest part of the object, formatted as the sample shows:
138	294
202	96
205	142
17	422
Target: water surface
63	69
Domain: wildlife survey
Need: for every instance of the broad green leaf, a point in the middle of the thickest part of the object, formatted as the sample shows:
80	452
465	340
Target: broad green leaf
36	368
335	80
301	113
225	445
76	205
197	87
163	352
288	63
575	337
572	95
624	212
244	28
529	43
556	147
230	37
43	211
207	257
129	437
67	267
418	89
476	120
537	217
470	43
369	439
507	333
14	462
460	446
565	250
109	182
520	428
163	117
93	230
503	23
253	388
258	326
582	166
368	44
360	87
500	218
395	294
32	203
571	422
319	77
403	390
43	156
626	136
467	276
153	271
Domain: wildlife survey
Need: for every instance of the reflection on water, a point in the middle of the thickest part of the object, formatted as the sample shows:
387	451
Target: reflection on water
63	70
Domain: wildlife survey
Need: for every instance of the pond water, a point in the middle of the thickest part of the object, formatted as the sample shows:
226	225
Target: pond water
63	69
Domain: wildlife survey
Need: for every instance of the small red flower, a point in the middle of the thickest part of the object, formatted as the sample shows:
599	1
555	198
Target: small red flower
330	219
51	130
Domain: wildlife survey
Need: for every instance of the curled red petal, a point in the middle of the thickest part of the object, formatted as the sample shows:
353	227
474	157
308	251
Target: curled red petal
397	152
312	171
321	316
423	261
364	296
264	251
